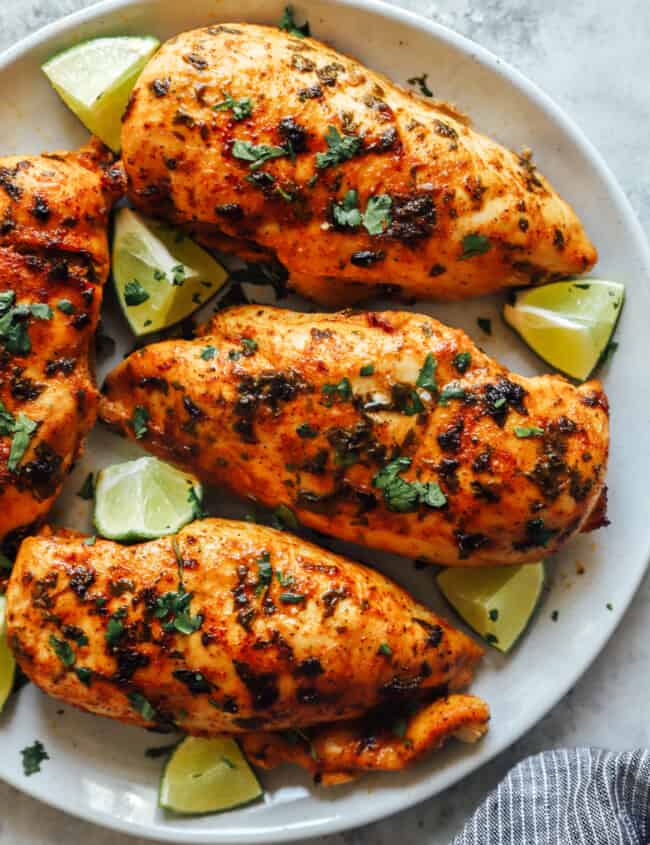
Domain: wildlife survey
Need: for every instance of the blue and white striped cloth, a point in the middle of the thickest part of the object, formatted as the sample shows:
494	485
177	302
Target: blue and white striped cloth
584	796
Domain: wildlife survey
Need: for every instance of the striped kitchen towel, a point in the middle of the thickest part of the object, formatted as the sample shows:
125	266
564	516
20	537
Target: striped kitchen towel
585	796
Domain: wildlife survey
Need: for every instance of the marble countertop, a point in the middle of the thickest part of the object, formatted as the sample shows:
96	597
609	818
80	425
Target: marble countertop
592	58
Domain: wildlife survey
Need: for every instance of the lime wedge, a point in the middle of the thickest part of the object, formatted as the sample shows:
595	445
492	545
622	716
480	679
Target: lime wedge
94	79
7	662
568	324
207	776
496	601
144	499
160	274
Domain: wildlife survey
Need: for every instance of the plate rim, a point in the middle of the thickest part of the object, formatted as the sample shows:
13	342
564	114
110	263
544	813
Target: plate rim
368	811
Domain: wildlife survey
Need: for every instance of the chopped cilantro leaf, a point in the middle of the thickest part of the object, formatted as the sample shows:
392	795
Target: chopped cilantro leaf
474	244
23	430
367	370
291	598
87	489
66	307
140	421
451	391
462	361
307	431
347	213
134	293
484	324
342	391
240	108
264	573
41	311
377	218
403	496
491	638
284	518
494	614
115	628
528	431
288	24
85	675
63	651
385	649
421	82
208	353
90	541
249	346
284	580
195	501
256	155
33	756
174	609
340	148
178	275
427	375
142	706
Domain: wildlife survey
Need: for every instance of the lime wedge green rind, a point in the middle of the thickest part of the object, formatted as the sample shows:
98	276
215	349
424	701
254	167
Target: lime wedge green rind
207	776
176	275
568	324
7	661
95	79
143	499
496	601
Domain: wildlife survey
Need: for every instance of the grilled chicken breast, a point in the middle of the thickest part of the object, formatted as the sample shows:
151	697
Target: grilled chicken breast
350	181
53	263
232	627
388	429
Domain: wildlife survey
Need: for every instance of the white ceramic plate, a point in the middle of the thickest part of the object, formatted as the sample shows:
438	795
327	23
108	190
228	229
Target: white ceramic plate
98	769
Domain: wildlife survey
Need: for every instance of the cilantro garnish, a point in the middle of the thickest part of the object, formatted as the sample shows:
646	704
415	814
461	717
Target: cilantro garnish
142	706
85	675
421	82
284	580
376	218
63	651
240	108
427	376
291	598
484	324
341	148
41	311
367	370
87	489
178	275
342	391
66	307
208	353
195	502
528	431
134	293
288	24
403	496
451	391
173	607
264	573
306	431
13	322
257	155
462	361
33	756
474	244
284	518
347	212
115	628
23	429
385	649
140	421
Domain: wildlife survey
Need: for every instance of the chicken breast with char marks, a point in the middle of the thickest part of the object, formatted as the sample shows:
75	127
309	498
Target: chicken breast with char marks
283	144
237	628
53	264
387	429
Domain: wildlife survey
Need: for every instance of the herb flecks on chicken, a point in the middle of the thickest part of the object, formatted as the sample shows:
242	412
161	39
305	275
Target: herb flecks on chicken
348	180
387	429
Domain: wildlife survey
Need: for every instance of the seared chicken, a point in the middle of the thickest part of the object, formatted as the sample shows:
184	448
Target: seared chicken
387	429
350	181
237	628
53	263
